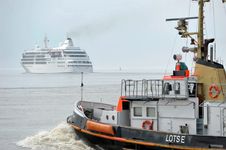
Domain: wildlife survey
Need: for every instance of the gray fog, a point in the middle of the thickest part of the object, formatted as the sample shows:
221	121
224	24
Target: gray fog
126	34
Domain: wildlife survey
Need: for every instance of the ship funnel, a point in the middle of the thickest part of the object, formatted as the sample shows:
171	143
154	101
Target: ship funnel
68	42
206	44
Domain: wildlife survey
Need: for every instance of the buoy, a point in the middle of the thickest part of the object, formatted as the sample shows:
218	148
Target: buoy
214	91
148	124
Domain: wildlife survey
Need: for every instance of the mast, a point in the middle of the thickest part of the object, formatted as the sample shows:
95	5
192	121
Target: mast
200	53
46	42
208	72
82	86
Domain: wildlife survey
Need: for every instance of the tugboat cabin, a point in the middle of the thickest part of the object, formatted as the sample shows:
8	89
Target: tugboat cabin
169	105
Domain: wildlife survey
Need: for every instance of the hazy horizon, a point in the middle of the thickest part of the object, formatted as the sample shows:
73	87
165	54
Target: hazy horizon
129	34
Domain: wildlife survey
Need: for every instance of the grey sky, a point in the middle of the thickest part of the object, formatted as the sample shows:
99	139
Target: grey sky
131	34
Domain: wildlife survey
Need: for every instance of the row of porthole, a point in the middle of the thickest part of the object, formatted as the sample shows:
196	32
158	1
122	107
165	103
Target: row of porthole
112	117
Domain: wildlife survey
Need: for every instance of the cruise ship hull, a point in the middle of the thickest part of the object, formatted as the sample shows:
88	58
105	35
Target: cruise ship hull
52	68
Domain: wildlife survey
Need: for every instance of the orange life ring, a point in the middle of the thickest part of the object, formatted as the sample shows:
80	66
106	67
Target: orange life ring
148	124
214	91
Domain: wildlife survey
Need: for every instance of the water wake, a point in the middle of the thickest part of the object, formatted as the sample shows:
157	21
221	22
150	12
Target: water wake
61	137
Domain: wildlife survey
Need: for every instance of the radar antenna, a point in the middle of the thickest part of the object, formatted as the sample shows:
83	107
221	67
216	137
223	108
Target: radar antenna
201	49
182	26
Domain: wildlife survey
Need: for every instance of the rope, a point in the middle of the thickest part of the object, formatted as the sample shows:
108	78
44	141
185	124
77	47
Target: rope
224	9
205	25
171	53
189	9
189	14
214	21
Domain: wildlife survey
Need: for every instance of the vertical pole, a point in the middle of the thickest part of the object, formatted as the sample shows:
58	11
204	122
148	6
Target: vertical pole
215	52
82	86
200	53
46	42
211	53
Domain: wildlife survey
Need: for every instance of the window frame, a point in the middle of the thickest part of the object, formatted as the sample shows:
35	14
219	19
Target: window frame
134	115
154	112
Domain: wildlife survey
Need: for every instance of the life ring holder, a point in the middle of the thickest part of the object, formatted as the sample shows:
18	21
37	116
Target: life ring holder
148	124
216	89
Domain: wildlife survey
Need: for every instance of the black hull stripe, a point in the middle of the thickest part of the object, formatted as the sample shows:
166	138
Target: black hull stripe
123	140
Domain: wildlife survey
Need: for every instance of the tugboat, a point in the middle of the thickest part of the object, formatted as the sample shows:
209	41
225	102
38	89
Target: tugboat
184	110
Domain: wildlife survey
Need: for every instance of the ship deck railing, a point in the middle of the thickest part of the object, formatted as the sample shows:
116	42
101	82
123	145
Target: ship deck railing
142	89
153	89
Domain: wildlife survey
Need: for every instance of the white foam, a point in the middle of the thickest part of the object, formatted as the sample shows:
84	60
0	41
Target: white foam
61	137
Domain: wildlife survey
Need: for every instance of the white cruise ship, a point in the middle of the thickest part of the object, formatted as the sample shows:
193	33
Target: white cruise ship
66	58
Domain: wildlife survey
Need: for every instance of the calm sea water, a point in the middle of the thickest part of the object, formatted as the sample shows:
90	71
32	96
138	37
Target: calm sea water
34	107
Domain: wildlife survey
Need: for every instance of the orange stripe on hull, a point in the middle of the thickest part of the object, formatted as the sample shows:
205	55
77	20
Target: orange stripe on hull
99	127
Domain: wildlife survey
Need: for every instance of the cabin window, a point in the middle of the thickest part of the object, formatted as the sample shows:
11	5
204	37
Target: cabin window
192	89
150	111
177	88
125	105
137	111
113	117
167	88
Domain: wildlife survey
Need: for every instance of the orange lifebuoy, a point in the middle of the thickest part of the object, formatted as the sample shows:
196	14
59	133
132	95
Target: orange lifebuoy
148	124
214	91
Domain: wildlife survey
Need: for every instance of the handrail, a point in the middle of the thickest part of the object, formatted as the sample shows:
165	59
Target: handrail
142	88
155	89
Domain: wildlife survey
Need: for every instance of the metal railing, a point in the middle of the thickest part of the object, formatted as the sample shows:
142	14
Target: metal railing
156	89
142	88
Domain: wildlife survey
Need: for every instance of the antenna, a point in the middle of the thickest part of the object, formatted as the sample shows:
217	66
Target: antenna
182	27
46	41
82	86
185	18
201	49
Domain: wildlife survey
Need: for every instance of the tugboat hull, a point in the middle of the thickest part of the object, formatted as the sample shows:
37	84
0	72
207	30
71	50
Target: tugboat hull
133	138
110	144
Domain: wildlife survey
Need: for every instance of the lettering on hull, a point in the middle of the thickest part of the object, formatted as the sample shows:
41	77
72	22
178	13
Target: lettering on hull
171	138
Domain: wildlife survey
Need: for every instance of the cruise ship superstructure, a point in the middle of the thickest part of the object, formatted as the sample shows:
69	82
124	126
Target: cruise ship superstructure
66	58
